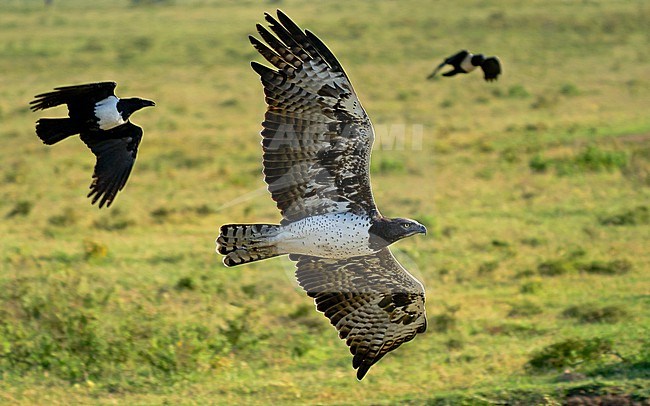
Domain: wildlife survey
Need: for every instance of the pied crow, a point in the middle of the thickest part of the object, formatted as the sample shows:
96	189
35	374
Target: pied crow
102	121
465	62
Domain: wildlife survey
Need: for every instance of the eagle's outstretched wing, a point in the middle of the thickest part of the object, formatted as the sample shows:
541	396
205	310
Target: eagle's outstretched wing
116	150
317	137
373	302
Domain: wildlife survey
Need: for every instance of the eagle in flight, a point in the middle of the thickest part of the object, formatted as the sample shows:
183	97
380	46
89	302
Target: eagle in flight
317	141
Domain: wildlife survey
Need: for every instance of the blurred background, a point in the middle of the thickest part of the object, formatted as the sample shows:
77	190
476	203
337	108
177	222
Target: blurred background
534	188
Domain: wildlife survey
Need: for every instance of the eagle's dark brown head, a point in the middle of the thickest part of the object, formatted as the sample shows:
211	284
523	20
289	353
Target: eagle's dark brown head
385	231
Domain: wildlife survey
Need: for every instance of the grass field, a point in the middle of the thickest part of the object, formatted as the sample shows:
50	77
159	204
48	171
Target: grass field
535	190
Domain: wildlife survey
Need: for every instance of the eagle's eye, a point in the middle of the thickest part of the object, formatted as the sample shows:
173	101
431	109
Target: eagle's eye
406	226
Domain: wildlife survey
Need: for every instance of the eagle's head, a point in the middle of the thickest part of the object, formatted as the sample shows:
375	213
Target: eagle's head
385	231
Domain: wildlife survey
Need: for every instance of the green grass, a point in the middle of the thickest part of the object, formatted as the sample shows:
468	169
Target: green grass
534	189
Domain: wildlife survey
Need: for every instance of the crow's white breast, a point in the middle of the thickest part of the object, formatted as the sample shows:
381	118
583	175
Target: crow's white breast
107	115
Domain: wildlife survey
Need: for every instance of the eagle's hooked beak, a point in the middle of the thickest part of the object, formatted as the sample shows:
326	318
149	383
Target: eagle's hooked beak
422	229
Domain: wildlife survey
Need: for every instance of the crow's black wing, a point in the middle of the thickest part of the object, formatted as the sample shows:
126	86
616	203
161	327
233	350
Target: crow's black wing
491	68
116	150
457	58
433	74
89	93
453	72
454	61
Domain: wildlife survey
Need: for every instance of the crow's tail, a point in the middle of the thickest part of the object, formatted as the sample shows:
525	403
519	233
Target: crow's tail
53	130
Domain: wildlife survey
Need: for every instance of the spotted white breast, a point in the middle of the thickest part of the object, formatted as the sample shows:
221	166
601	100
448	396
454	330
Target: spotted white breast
332	235
106	112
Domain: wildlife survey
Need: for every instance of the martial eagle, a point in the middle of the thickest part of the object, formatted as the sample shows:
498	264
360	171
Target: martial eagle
465	62
317	141
102	121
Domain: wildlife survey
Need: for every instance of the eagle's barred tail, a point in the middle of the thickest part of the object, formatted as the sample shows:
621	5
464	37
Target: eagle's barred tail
243	243
53	130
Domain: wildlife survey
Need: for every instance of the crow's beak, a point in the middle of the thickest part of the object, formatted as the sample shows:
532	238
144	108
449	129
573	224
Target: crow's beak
148	103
